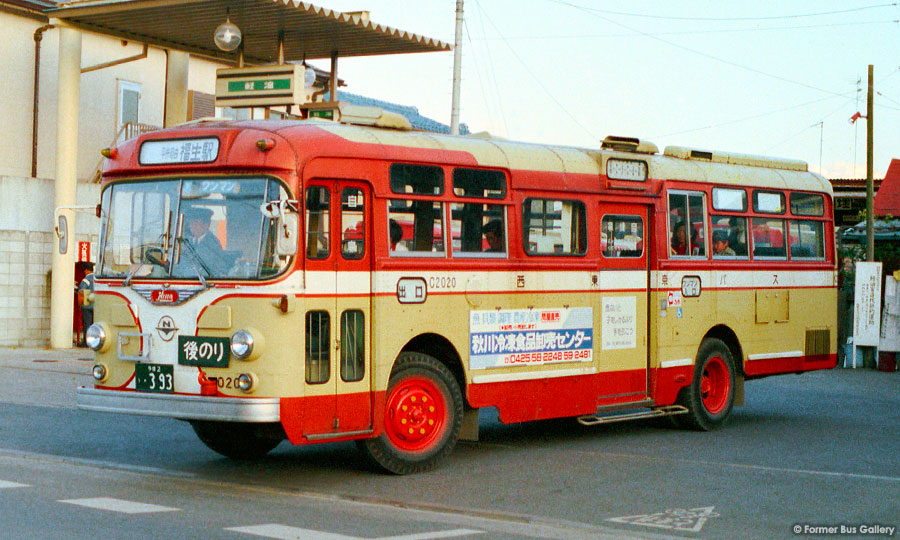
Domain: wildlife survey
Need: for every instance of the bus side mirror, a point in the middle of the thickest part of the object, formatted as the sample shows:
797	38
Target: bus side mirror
62	231
288	225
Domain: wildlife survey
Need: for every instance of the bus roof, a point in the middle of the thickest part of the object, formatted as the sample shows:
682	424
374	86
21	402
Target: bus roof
676	163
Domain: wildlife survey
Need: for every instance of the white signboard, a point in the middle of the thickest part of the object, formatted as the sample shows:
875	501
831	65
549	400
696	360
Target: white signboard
619	322
890	317
525	337
867	304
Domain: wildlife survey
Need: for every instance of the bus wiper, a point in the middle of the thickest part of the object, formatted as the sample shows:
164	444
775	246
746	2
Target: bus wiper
195	257
132	273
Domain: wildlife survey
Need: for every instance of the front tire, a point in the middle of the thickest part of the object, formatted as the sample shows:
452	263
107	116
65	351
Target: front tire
710	396
422	416
235	440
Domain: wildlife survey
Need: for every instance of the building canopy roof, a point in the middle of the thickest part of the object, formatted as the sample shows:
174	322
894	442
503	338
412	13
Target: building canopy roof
310	31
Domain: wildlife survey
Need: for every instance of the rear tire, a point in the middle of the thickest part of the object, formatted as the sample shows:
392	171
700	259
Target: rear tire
710	396
422	416
235	440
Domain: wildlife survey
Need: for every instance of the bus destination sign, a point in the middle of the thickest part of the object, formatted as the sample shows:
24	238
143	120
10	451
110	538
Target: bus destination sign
167	151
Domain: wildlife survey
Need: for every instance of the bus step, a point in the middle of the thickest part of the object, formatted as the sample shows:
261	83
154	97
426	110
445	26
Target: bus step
621	416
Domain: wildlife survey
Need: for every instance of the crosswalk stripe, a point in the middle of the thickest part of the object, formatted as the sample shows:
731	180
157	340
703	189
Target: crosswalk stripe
119	505
277	531
5	484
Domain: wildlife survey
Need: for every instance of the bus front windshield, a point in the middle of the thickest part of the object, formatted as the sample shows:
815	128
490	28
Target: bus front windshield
197	228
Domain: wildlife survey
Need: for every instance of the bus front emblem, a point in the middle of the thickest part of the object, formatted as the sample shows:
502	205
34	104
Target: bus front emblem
166	328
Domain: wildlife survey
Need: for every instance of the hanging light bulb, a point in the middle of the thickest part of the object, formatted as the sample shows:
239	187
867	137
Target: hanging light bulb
227	36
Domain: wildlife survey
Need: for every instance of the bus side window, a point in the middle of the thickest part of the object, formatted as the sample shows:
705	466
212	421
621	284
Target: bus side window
318	349
353	341
416	227
554	227
353	236
477	228
687	224
318	202
622	236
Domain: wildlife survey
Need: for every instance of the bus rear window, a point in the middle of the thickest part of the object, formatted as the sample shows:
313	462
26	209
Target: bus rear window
768	238
807	240
554	227
807	204
768	202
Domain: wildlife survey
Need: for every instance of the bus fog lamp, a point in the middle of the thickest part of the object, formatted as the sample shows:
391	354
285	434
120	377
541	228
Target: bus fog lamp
241	344
245	382
99	372
95	337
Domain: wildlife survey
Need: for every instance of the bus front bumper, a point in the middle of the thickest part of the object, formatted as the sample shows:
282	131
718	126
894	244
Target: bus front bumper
222	409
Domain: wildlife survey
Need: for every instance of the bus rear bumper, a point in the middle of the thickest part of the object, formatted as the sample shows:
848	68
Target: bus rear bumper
222	409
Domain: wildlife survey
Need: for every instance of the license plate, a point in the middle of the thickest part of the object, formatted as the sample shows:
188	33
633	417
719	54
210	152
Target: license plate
203	351
153	378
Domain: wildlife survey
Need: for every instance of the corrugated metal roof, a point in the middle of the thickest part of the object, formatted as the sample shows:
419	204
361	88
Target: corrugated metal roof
309	31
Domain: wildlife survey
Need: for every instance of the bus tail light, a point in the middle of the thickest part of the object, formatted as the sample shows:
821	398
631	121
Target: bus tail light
246	382
246	344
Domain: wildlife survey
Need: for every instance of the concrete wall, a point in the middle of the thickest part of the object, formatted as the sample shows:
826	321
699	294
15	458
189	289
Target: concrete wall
27	239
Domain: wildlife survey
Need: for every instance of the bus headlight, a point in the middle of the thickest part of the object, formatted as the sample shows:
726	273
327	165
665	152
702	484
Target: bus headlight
246	344
95	337
99	372
246	382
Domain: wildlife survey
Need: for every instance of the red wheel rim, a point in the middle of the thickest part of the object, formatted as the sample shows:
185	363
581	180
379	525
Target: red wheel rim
416	414
715	385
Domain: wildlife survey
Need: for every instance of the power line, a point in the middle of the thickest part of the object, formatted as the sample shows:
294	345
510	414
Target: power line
694	51
743	119
698	32
492	71
537	80
721	19
487	107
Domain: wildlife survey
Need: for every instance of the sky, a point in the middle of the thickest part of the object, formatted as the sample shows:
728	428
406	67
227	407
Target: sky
769	78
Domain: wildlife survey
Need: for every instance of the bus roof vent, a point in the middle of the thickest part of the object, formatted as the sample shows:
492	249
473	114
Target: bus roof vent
359	115
629	144
748	160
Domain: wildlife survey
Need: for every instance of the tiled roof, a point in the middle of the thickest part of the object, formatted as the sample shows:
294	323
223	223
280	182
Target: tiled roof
411	113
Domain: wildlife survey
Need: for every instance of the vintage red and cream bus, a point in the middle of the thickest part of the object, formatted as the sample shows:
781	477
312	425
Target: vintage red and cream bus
317	281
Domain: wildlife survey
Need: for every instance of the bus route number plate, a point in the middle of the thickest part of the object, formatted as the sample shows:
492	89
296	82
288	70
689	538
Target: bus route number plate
203	351
153	378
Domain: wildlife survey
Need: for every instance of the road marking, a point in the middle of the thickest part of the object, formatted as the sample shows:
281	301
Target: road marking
284	532
677	519
119	505
4	484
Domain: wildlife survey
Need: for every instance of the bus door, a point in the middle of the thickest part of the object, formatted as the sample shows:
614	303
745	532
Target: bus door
338	318
623	303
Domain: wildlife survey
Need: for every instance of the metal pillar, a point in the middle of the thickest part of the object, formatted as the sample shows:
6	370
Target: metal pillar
62	301
457	68
177	67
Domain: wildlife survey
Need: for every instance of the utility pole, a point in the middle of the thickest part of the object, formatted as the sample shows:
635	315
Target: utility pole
869	352
870	182
457	69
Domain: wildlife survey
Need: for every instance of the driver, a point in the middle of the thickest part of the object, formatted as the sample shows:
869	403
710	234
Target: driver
205	244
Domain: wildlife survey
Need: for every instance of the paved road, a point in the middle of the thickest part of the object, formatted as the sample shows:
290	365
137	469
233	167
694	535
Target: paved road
818	450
